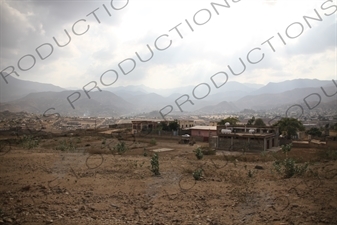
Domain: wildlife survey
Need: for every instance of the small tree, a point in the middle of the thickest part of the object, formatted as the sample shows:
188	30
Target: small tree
286	149
288	166
251	121
173	125
198	153
155	164
163	126
197	174
231	120
259	122
289	126
314	131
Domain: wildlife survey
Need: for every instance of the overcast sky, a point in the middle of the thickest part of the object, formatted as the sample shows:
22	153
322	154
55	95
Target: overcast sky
220	40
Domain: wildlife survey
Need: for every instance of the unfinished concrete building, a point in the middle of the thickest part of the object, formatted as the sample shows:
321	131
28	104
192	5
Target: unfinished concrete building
247	138
183	124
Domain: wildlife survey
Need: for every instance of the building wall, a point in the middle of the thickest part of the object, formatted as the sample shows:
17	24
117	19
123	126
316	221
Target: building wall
203	133
139	126
241	143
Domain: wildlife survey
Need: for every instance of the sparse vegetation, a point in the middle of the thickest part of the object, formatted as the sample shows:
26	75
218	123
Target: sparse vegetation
29	142
243	184
65	145
329	154
288	166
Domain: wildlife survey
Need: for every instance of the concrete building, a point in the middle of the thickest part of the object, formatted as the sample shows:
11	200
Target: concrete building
122	124
213	123
202	133
238	138
183	124
144	125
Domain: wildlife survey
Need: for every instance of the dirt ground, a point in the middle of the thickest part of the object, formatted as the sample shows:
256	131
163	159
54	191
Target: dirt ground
71	185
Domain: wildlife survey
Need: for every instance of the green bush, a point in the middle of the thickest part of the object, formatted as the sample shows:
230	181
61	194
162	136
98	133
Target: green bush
286	148
198	153
197	174
155	164
289	168
120	148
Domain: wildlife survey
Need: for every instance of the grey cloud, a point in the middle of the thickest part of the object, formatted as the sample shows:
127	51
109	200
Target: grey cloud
319	38
28	24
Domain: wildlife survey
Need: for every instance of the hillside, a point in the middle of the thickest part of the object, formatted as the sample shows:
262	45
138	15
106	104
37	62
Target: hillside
101	104
16	88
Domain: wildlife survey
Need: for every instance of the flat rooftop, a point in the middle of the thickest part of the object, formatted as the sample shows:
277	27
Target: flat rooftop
247	135
202	128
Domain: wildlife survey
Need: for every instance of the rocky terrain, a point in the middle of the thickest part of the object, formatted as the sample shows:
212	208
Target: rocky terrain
51	185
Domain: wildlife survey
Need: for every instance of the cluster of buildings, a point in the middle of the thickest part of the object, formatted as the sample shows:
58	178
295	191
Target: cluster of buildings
221	137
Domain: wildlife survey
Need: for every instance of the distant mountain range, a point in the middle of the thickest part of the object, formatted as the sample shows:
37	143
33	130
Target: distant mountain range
16	88
291	85
100	104
20	95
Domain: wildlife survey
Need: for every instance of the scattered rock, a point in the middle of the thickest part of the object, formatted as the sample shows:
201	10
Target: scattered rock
113	205
25	188
259	167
